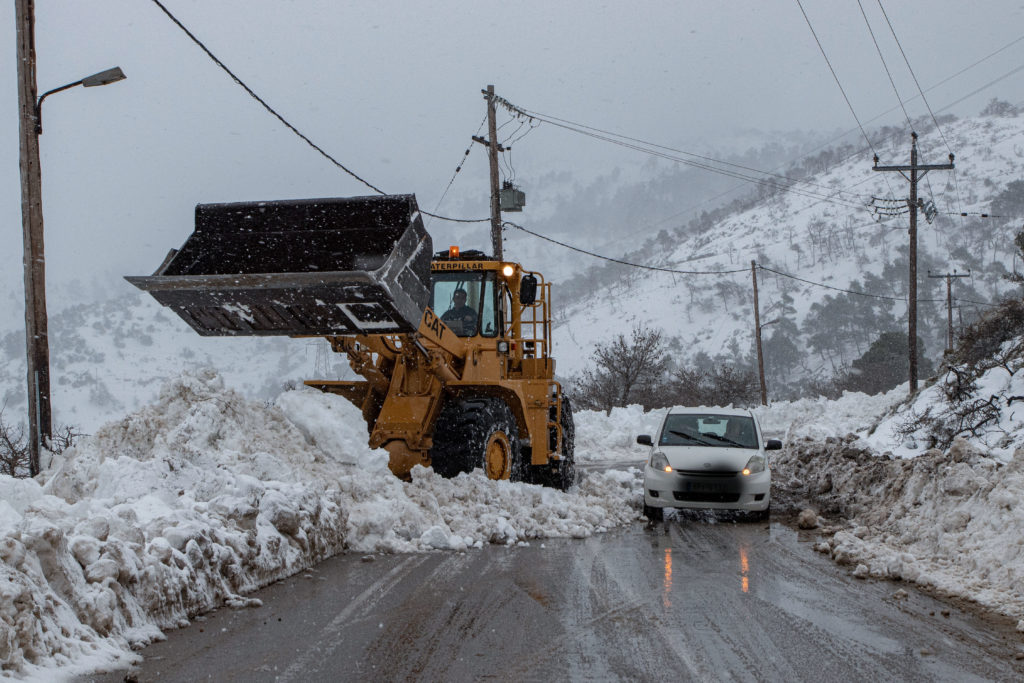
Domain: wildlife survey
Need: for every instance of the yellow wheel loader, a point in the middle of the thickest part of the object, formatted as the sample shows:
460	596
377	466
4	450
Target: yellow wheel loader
454	349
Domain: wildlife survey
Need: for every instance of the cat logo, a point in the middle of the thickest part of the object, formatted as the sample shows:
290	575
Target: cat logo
434	324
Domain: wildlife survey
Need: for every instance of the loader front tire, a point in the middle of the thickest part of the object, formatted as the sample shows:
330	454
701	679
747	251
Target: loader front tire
477	432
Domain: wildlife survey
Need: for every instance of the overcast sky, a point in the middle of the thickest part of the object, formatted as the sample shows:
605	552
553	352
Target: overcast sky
392	90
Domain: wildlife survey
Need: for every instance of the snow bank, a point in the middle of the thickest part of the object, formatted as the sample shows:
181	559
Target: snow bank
613	437
203	496
999	392
951	521
819	418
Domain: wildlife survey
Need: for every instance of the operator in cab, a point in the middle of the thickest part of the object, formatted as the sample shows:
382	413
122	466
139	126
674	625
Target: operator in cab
460	317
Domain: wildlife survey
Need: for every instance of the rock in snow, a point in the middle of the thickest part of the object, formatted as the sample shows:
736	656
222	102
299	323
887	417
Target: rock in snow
807	519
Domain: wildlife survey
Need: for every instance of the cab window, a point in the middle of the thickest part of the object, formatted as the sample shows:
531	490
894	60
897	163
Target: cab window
465	302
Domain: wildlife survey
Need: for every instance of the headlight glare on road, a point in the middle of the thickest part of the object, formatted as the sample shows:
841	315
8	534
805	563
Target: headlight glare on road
660	462
754	465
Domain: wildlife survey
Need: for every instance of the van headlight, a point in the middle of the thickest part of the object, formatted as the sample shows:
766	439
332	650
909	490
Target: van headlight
660	462
754	465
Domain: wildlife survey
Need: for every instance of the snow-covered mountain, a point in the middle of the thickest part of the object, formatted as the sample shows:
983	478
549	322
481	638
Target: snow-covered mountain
111	357
824	231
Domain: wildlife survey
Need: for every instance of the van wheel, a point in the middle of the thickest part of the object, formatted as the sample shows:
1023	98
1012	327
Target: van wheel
654	514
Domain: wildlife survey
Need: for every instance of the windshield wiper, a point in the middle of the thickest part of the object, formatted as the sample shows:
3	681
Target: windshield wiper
691	437
728	441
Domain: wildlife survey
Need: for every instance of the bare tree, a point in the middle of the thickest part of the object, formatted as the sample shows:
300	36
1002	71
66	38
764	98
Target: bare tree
715	385
625	369
14	446
13	449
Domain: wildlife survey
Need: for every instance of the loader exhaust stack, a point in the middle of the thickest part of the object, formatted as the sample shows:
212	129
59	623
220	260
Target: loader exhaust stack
358	265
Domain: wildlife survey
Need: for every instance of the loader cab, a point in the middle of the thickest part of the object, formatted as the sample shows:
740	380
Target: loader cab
466	301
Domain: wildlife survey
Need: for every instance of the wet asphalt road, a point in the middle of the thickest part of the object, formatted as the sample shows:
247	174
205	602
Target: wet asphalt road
693	598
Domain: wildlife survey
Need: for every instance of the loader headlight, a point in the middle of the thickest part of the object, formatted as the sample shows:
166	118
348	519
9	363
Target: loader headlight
754	465
660	462
503	347
507	270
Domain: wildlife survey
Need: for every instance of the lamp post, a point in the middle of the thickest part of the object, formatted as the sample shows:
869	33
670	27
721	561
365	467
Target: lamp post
36	335
112	75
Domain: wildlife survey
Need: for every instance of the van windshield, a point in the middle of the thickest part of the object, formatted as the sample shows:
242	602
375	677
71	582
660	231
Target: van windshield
724	431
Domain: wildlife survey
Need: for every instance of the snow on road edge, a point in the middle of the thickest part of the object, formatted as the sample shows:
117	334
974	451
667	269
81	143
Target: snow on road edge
952	521
203	496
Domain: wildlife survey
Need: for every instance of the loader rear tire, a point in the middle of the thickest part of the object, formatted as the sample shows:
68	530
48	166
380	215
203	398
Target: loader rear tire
477	432
567	465
562	475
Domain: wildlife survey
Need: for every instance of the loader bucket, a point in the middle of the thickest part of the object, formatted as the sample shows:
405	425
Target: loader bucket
342	266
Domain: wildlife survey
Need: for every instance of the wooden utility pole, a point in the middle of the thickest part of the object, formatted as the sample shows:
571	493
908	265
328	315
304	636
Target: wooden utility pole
493	148
757	337
36	335
949	304
917	171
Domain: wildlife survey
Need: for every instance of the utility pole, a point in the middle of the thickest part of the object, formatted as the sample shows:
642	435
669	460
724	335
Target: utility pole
493	148
917	171
757	337
37	339
949	304
37	345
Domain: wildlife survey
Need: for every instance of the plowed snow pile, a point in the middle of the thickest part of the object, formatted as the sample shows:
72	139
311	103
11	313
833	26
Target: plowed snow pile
951	519
203	496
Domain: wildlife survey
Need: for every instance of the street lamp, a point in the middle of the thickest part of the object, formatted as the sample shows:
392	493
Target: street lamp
36	334
102	78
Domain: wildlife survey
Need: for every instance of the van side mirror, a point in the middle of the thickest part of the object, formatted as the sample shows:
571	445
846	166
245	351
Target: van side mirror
773	445
644	440
527	290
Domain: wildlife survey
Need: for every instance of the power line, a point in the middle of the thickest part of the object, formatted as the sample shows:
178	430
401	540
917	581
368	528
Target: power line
914	76
837	289
849	104
554	120
974	92
262	102
285	122
924	99
884	65
930	88
626	142
462	162
620	261
676	271
834	75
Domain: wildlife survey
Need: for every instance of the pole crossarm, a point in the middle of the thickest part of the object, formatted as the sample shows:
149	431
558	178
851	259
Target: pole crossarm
949	275
915	167
487	143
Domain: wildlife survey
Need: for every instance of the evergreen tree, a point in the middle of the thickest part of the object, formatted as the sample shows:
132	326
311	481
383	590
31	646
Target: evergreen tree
885	365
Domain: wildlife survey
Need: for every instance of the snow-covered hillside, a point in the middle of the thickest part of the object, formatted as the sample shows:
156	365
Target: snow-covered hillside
823	232
110	358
